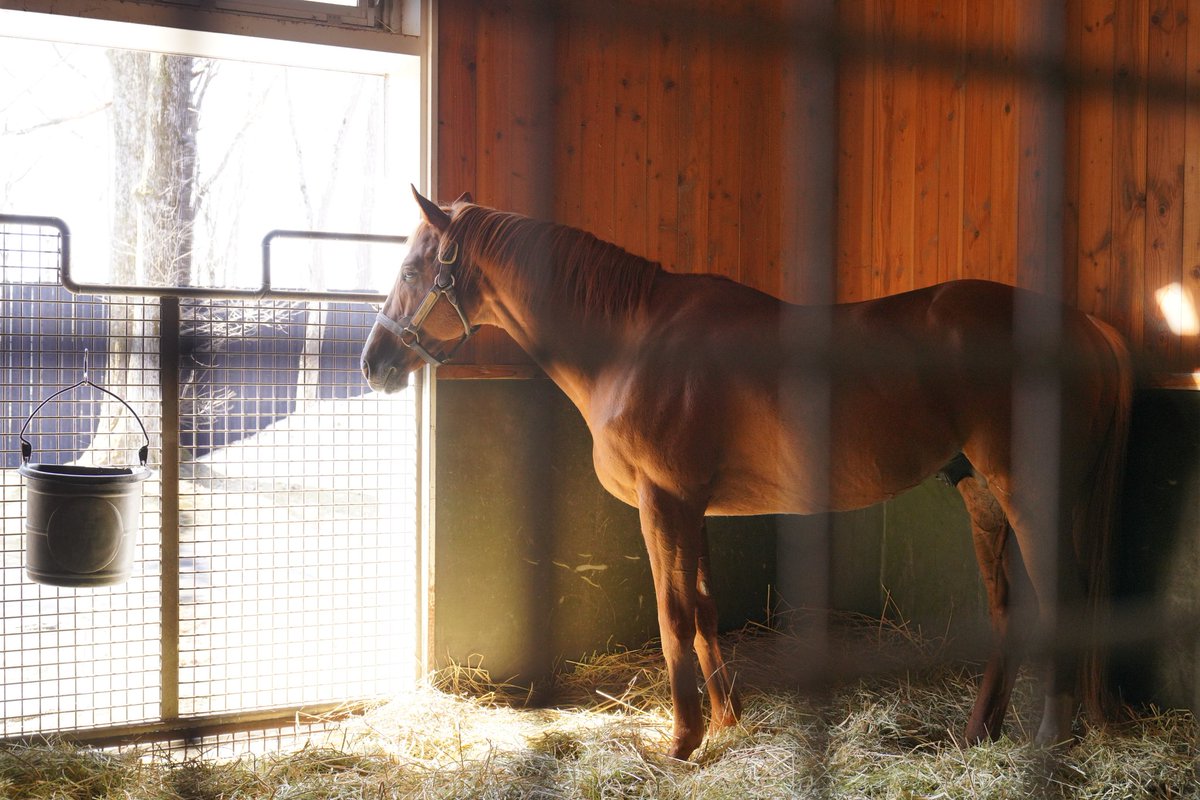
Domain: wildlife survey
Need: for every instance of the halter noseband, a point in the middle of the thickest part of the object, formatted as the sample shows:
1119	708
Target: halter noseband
408	329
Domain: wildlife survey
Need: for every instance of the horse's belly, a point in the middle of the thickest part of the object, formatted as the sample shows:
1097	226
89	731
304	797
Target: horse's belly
749	498
844	472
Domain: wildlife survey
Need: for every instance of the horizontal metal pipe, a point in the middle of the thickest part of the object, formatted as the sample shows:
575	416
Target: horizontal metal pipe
264	291
199	727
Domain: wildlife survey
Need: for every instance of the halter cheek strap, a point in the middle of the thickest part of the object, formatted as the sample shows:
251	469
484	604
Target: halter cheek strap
408	329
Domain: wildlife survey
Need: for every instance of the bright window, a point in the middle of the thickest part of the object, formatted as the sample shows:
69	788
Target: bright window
170	155
217	148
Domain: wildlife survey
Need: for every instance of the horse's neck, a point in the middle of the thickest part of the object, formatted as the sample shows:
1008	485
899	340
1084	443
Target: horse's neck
570	345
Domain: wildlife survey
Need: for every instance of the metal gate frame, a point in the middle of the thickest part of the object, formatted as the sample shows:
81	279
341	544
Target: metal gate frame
170	725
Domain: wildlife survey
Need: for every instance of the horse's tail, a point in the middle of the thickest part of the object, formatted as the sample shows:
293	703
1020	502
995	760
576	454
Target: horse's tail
1095	526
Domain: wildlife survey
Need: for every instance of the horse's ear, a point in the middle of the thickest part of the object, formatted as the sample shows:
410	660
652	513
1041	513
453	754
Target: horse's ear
465	197
437	218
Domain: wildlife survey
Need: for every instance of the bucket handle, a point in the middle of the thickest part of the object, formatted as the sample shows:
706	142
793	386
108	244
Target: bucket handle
27	448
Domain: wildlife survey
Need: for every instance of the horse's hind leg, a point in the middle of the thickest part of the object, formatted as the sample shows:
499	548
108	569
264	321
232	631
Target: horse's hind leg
1005	580
726	707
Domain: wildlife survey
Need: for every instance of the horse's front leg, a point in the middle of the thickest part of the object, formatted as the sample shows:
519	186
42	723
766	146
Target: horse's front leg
671	527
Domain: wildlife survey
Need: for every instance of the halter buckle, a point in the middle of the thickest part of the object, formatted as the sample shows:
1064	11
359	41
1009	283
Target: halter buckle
408	329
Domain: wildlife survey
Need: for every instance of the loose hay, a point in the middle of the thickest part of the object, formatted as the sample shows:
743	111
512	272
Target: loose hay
886	735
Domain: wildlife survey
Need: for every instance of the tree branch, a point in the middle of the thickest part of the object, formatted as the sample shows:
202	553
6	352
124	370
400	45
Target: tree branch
50	123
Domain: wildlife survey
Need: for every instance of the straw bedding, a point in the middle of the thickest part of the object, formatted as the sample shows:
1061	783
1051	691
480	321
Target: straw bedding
888	733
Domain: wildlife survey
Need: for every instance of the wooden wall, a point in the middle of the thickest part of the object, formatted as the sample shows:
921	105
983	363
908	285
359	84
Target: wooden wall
846	150
1133	172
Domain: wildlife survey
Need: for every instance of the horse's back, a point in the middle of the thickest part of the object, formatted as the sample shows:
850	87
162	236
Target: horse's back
782	408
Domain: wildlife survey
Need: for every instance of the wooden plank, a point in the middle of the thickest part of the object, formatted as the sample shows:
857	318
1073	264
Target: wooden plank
902	159
977	174
1165	156
494	52
1005	145
1072	69
930	158
494	150
1125	299
726	100
631	183
663	134
456	122
694	151
856	170
951	143
759	159
806	202
1186	381
1040	182
1189	355
567	149
532	50
598	151
1097	121
893	155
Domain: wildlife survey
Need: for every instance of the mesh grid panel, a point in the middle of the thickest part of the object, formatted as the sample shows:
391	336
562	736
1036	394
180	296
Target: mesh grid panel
73	658
293	577
297	506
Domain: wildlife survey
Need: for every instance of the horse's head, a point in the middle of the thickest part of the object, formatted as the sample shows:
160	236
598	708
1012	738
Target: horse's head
423	311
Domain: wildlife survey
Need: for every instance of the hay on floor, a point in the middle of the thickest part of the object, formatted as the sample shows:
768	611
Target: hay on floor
888	734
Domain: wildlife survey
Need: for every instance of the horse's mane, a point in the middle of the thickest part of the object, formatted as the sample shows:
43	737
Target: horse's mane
544	261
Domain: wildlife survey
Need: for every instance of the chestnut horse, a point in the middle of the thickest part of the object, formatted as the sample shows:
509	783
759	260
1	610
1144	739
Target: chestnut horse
704	396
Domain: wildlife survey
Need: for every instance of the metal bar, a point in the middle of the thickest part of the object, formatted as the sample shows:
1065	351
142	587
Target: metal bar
320	236
263	292
195	728
425	488
168	378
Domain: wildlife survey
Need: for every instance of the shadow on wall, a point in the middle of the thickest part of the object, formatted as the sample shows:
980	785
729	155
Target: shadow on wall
536	564
1158	552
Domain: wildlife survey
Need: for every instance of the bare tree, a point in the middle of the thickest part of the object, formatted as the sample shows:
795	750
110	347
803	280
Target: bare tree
154	123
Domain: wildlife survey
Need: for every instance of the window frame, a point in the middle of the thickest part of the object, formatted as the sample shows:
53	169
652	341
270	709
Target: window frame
402	27
363	12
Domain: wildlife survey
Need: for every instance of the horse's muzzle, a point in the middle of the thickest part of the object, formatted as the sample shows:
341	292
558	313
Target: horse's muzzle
387	377
385	366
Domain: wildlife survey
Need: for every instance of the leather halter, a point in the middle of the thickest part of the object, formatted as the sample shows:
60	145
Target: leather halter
408	329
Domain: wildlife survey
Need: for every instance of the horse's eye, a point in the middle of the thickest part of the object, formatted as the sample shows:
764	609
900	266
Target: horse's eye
409	275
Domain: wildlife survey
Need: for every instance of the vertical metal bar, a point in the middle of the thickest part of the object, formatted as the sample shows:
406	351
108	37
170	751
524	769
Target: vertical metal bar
168	354
426	413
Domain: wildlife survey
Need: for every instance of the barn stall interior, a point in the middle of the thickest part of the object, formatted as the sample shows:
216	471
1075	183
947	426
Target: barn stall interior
308	548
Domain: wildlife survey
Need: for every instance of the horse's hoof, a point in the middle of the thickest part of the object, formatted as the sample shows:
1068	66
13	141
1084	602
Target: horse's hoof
975	737
978	733
722	720
1055	730
680	752
1053	740
683	745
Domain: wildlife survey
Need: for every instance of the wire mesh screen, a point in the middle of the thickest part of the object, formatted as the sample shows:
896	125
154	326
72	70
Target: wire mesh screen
297	506
75	658
297	532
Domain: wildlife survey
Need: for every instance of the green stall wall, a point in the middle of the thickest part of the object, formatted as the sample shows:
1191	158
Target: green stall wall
536	565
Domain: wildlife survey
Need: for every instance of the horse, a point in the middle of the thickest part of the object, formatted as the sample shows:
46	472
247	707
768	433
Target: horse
704	396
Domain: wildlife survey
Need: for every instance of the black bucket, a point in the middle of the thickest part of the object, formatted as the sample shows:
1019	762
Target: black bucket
81	523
